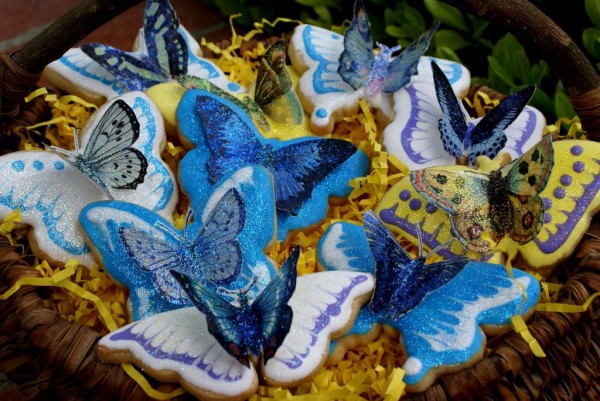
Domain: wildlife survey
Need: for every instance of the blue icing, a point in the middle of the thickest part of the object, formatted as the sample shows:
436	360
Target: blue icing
326	67
107	80
344	246
321	113
435	333
58	165
18	165
38	165
103	220
194	174
232	86
166	187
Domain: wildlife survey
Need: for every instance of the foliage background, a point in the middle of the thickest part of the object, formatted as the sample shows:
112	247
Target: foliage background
494	57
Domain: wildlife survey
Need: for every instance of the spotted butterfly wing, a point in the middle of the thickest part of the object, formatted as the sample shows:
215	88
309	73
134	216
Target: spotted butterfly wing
404	66
296	166
401	282
356	60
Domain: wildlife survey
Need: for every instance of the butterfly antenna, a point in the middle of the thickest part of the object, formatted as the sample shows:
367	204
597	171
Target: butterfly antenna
76	139
419	238
440	247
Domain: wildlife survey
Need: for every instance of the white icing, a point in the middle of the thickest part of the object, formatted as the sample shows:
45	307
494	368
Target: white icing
412	366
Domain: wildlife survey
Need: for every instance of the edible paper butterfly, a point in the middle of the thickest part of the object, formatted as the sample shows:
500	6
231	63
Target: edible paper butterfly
505	201
465	139
212	254
402	282
359	67
260	325
108	158
296	165
273	91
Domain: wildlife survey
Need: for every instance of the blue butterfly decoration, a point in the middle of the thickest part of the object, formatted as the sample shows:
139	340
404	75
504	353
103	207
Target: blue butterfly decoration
222	246
402	282
439	323
108	158
306	171
260	325
212	254
359	67
463	138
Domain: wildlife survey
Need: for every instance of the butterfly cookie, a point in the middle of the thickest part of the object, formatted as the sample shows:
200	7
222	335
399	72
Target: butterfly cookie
117	156
221	246
431	127
164	50
306	171
439	308
338	70
178	346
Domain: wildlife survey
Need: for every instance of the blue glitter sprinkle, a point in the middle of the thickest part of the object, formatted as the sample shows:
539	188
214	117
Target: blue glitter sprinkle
38	165
59	165
18	165
232	86
321	113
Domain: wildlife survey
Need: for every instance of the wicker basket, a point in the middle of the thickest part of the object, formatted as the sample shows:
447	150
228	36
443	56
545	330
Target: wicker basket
47	357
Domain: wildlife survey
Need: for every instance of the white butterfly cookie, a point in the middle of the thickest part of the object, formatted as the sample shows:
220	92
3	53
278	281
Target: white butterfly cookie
118	158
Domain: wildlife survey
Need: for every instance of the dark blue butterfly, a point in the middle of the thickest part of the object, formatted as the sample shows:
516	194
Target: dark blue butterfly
165	58
359	67
262	324
296	165
213	254
463	138
108	158
401	282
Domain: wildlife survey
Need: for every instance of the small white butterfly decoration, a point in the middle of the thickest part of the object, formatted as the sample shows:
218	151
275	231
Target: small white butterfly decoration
119	159
79	74
177	346
414	137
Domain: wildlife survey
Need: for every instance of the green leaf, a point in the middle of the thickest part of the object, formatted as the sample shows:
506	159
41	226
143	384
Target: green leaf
592	8
521	67
450	39
447	14
501	71
317	3
447	54
543	103
395	31
563	106
591	41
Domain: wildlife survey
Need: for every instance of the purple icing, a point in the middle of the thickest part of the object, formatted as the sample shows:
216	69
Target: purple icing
158	353
405	195
415	204
405	135
547	203
559	192
578	167
566	180
576	150
430	208
547	218
323	320
563	231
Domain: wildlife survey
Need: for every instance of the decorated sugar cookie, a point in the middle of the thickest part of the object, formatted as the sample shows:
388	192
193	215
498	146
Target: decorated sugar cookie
306	171
438	308
338	70
223	245
569	199
164	50
177	345
117	157
431	128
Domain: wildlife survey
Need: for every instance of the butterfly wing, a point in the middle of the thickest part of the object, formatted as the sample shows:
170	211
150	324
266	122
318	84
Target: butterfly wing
488	136
299	166
404	66
529	174
117	165
216	247
220	315
357	58
136	71
452	125
272	309
274	91
248	104
165	45
390	259
232	141
527	216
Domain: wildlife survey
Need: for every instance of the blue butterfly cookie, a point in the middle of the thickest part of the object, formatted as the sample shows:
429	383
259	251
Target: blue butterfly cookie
337	71
306	171
222	246
438	308
163	50
117	156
